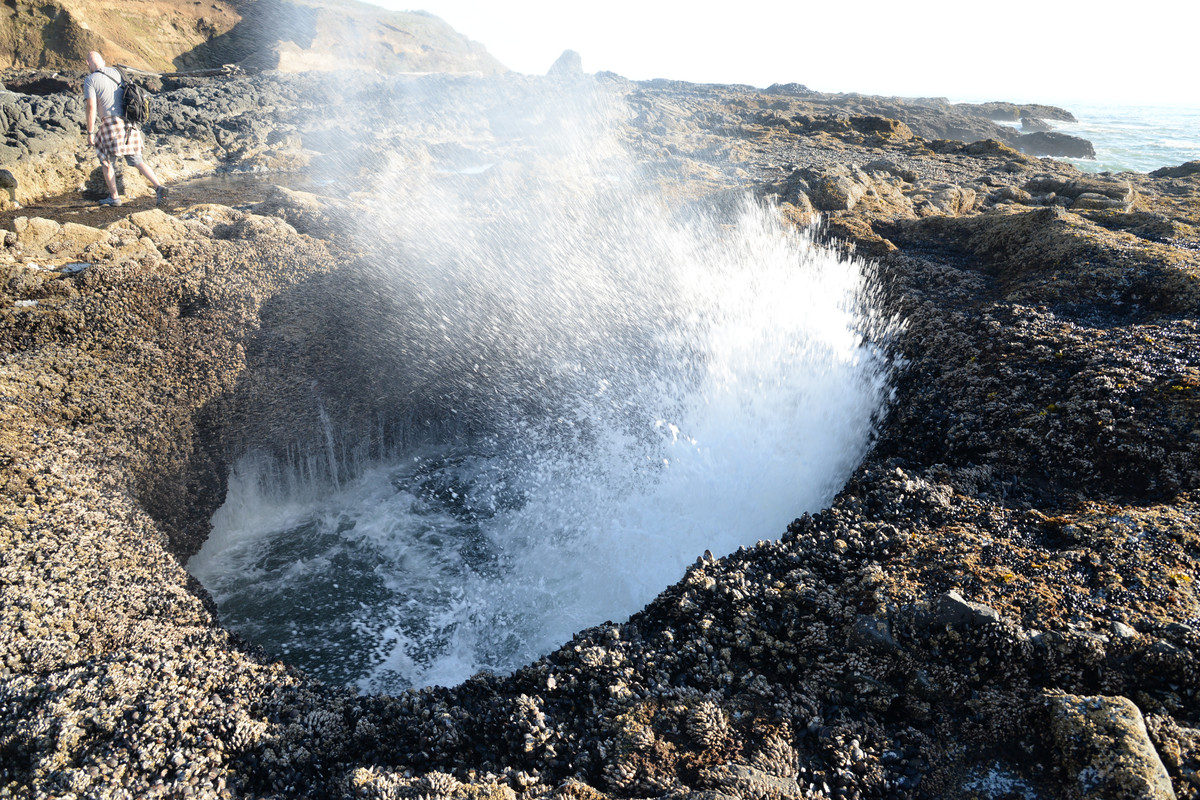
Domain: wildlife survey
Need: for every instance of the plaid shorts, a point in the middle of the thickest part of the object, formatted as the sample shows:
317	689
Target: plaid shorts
115	138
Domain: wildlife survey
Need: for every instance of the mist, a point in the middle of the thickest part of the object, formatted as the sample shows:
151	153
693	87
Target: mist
601	383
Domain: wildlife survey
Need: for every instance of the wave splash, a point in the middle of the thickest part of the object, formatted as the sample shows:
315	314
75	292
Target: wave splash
629	386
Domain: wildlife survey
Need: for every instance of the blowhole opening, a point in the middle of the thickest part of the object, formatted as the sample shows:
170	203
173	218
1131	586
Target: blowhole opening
541	392
401	514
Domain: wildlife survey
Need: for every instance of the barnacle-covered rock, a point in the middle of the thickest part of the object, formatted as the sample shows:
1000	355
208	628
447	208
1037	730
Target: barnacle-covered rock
439	784
707	724
1103	743
776	756
749	783
1024	528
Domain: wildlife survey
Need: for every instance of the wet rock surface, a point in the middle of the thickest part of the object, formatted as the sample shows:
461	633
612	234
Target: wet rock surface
1001	602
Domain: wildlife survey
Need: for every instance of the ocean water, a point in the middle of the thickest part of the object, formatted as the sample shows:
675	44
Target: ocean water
1133	138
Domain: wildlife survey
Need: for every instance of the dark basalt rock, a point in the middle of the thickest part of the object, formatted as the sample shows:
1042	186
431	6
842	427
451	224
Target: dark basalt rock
1011	112
1181	171
1055	144
938	119
41	83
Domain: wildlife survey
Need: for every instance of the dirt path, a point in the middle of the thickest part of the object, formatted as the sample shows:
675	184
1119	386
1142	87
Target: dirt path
230	190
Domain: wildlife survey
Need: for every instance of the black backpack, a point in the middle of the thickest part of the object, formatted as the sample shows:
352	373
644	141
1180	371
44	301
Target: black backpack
137	98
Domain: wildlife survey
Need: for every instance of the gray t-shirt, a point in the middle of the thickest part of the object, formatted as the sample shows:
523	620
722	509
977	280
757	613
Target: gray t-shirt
104	86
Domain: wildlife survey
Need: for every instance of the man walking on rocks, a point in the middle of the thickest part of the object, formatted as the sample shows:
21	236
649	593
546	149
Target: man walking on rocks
107	130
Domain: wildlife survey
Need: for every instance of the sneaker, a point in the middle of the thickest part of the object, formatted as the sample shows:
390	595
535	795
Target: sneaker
161	194
111	201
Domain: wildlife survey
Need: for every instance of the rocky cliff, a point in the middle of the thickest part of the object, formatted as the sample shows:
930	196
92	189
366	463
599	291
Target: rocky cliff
180	35
1001	602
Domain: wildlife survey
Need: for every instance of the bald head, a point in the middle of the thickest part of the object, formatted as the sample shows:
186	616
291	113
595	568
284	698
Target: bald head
95	61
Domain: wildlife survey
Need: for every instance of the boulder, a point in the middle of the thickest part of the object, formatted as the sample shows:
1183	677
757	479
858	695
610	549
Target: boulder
212	214
1090	192
8	182
568	65
34	233
1103	742
855	231
955	611
989	147
48	241
1182	171
836	188
798	208
1091	201
838	123
874	632
743	780
885	128
158	226
1010	194
73	240
1032	124
1111	187
944	200
1060	145
892	168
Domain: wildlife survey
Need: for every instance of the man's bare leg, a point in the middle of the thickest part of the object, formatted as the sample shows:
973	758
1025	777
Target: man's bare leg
145	169
160	191
110	177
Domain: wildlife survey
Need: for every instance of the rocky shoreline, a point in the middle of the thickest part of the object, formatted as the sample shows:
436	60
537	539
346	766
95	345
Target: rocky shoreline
1001	603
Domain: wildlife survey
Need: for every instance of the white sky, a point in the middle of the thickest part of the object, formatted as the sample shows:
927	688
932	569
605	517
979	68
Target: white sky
1051	51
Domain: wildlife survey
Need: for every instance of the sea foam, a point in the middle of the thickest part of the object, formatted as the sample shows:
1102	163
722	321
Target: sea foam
645	384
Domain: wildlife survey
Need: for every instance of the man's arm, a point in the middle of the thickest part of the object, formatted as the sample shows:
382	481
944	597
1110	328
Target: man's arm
91	120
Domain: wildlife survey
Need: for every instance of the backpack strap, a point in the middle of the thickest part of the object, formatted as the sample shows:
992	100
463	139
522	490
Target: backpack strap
119	84
110	77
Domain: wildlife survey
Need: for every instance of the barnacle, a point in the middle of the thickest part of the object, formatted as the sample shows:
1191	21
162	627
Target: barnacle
707	724
777	757
439	784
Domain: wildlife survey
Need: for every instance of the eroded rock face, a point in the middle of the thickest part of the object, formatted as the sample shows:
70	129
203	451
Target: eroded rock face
999	594
289	35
